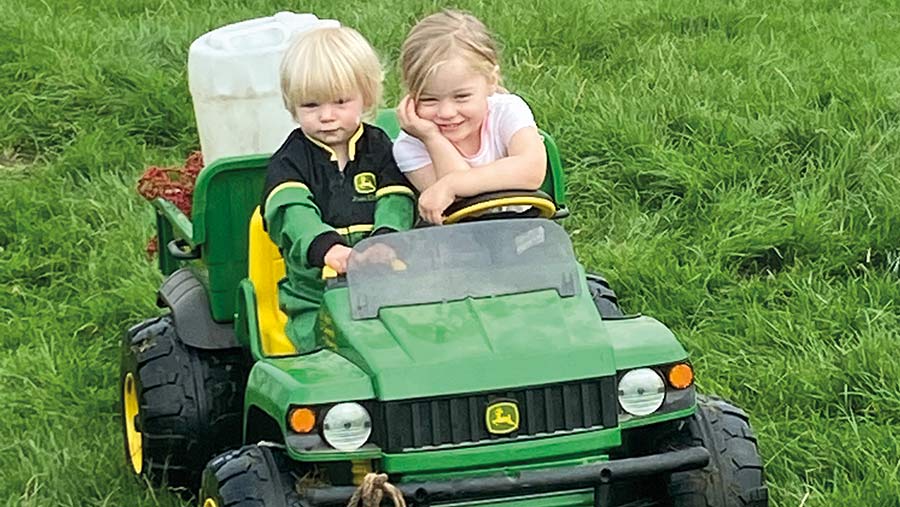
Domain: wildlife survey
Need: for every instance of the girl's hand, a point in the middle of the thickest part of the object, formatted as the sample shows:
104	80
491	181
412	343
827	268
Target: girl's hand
336	258
435	199
412	124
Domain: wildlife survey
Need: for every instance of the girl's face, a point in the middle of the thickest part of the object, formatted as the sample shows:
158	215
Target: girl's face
455	99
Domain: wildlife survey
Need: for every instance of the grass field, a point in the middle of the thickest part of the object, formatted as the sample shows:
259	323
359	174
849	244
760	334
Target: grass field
733	170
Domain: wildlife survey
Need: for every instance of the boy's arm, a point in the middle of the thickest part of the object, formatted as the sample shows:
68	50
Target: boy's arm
395	207
294	223
394	212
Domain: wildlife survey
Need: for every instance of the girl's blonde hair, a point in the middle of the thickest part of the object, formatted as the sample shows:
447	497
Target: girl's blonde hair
325	64
438	38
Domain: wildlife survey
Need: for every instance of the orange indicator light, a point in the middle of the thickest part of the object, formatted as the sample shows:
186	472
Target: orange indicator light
681	376
302	420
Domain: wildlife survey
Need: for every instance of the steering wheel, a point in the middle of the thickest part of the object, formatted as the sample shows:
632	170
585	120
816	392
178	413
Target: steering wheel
484	204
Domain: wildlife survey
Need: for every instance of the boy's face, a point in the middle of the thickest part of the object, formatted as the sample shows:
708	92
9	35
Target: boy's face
455	99
332	123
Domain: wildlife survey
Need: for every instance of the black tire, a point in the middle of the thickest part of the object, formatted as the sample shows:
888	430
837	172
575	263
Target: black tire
252	476
604	297
734	476
188	403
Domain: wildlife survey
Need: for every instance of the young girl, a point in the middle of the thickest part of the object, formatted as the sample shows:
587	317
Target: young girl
334	180
463	134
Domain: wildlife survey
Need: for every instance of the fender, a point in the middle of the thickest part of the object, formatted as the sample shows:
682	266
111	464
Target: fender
186	297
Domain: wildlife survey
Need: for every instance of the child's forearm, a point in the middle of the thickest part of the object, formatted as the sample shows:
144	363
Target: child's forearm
394	212
510	173
445	159
299	232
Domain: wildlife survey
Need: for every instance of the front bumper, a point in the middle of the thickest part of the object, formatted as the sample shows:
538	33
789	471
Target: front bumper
595	475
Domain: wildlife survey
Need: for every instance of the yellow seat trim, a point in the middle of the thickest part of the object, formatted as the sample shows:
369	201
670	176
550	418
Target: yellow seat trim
265	269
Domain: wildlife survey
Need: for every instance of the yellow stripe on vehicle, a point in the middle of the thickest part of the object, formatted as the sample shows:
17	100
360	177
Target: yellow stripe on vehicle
545	206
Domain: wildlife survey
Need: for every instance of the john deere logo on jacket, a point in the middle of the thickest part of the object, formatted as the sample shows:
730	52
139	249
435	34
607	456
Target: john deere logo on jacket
365	183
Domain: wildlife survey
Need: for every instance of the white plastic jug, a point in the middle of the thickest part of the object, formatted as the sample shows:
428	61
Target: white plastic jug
235	85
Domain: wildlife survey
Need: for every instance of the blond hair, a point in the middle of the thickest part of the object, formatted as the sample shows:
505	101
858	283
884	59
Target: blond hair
325	64
440	37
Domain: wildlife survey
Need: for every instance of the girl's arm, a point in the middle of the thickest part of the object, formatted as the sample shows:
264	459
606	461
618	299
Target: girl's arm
422	178
523	169
445	159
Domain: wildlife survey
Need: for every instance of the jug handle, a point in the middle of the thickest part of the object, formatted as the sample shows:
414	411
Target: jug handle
224	40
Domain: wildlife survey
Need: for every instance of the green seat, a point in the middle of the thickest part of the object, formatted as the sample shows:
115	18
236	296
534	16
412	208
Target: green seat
387	120
225	195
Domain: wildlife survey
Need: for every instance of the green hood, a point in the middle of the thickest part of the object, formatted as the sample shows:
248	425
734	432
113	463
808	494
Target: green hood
485	344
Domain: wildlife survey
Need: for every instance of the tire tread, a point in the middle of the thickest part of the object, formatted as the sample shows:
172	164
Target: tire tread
735	475
248	477
180	432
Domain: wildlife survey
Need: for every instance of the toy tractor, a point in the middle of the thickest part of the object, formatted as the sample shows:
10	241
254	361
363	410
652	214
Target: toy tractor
481	366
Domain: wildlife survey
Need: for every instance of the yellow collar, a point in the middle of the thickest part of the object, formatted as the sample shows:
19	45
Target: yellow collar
351	144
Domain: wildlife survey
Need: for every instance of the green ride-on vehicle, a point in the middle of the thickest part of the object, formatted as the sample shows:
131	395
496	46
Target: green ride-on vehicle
479	366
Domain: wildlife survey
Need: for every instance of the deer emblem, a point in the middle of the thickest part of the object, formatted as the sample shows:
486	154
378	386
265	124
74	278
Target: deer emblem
502	417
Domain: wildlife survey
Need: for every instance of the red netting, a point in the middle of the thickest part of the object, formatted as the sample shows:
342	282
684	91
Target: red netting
174	184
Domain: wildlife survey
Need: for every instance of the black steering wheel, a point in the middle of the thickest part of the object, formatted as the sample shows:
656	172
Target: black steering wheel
484	205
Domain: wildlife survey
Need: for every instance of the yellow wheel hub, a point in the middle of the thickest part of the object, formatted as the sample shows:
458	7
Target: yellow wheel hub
132	435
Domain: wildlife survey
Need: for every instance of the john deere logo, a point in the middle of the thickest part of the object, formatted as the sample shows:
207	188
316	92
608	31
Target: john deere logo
364	183
502	417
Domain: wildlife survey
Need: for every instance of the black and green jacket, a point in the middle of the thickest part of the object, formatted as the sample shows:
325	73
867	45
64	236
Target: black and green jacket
309	205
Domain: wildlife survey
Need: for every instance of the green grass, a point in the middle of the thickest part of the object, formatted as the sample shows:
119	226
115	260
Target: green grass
732	166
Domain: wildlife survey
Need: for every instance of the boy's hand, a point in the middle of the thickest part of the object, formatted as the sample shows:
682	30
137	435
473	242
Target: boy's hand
412	124
336	258
435	199
377	253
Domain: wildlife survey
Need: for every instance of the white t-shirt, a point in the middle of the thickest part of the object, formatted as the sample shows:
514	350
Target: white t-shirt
507	114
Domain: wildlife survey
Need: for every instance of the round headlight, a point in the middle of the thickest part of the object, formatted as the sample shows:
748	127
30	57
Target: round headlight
641	391
347	426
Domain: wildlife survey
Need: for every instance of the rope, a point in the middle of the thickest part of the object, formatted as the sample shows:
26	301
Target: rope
372	490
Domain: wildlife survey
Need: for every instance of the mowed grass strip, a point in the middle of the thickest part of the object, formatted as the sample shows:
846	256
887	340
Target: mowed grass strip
732	169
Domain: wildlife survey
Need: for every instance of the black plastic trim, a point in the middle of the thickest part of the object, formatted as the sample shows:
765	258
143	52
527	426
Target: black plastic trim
458	420
186	297
529	482
181	250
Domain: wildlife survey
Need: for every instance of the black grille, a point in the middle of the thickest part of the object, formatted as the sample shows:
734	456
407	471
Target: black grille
455	420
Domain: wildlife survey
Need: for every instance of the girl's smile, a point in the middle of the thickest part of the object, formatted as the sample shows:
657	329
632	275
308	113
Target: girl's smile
455	99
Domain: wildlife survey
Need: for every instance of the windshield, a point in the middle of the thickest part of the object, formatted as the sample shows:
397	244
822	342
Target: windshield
454	262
